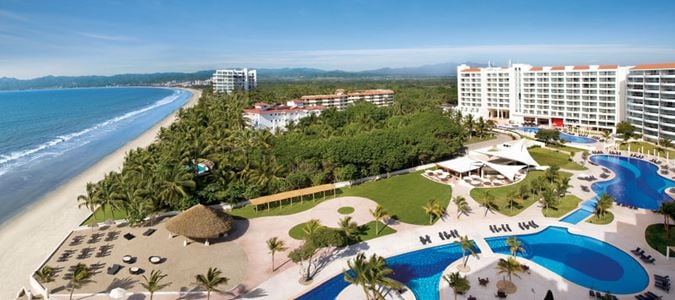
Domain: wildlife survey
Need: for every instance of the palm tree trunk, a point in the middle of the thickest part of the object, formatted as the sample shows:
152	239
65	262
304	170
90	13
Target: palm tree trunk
208	294
272	261
151	295
377	226
72	289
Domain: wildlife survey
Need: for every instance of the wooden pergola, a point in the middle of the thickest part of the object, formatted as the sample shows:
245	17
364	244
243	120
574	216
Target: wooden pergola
280	197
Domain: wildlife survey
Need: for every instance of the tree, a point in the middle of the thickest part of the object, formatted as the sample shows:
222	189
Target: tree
552	173
379	214
549	198
512	198
467	246
371	274
509	266
666	143
606	134
548	135
489	202
462	206
625	130
667	209
469	124
311	227
604	203
563	185
358	273
515	246
459	284
351	229
81	275
275	245
433	209
210	281
153	283
46	274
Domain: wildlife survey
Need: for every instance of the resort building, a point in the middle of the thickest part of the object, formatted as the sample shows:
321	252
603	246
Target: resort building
233	79
650	100
590	97
341	99
273	117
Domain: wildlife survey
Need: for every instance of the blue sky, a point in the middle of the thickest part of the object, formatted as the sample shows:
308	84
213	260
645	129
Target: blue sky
110	37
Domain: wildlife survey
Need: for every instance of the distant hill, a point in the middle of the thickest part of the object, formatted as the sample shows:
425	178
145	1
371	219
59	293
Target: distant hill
435	70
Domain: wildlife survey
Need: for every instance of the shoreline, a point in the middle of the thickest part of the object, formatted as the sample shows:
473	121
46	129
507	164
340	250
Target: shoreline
29	236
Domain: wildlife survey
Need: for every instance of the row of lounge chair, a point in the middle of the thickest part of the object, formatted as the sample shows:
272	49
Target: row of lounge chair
503	227
527	225
599	295
641	253
626	205
597	152
662	282
613	152
444	235
640	156
648	296
656	161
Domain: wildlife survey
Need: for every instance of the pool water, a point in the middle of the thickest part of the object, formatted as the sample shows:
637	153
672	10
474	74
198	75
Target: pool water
564	136
419	270
586	210
637	182
585	261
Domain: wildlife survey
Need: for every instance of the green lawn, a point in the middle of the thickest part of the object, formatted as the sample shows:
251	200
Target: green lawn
547	157
477	139
637	146
101	215
288	208
656	238
345	210
368	232
567	204
604	220
566	148
501	194
403	196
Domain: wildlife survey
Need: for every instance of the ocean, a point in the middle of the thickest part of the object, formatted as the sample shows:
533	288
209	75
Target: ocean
49	136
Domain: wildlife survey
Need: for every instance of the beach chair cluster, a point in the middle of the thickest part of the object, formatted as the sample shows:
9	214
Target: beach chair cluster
627	206
498	229
648	296
635	155
662	282
641	253
443	235
528	225
600	296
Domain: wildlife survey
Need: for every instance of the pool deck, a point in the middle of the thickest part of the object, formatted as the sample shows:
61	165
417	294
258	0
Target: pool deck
626	232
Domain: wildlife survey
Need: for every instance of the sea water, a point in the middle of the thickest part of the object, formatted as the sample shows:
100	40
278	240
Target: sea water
49	136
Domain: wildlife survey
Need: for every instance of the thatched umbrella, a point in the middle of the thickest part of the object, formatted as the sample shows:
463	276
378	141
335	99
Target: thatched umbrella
200	223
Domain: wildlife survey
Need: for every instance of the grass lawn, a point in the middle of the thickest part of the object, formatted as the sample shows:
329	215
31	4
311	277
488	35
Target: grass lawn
567	204
501	194
403	196
551	158
288	208
345	210
604	220
477	139
367	233
101	215
656	238
566	148
636	146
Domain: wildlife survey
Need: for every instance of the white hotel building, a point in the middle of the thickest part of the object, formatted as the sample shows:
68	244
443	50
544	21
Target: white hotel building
273	117
234	79
650	100
590	97
340	100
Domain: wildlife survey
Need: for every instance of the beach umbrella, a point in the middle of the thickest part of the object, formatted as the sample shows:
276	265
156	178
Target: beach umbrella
118	293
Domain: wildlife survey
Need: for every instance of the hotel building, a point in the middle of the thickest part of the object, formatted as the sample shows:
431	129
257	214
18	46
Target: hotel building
650	100
590	97
273	117
340	100
233	79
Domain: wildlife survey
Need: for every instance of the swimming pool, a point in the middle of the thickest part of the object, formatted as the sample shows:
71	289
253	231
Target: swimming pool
420	270
637	182
585	261
564	136
586	210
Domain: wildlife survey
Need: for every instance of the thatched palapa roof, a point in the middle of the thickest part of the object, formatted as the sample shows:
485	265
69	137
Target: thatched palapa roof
200	222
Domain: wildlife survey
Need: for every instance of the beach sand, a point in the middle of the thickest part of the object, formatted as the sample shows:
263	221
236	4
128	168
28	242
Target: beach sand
29	237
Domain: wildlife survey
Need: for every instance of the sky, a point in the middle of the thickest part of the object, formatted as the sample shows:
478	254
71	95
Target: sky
105	37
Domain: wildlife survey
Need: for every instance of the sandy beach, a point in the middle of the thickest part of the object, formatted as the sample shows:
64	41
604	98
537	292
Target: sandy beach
31	235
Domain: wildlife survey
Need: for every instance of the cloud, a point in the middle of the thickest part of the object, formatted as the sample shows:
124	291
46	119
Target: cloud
105	37
5	14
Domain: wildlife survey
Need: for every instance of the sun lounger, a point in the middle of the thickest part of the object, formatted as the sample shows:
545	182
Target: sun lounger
426	239
149	232
501	294
653	296
455	233
448	235
636	251
521	226
112	270
591	293
440	235
492	229
508	227
129	236
472	298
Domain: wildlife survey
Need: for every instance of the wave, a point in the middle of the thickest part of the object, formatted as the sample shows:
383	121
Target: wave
11	157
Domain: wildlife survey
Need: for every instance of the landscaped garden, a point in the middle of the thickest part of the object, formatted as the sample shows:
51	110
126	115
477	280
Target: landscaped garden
365	232
345	210
104	214
648	148
547	157
655	235
567	204
604	219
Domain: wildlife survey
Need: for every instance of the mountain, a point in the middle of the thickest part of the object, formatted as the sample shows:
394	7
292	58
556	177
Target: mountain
426	71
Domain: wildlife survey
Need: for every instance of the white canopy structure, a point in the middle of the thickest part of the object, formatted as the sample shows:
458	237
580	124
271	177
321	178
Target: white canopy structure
515	152
461	164
509	171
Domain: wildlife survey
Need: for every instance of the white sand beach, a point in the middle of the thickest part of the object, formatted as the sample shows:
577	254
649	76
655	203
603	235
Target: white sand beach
27	238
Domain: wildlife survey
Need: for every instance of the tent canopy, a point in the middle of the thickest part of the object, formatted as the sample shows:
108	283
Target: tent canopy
509	171
461	164
200	222
516	152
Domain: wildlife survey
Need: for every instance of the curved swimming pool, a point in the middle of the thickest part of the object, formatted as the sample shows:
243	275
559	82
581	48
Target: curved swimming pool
564	136
637	182
580	259
419	270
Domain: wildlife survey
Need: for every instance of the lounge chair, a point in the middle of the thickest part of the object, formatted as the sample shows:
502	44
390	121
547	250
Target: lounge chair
492	229
112	270
508	227
448	235
653	296
591	293
472	298
636	251
521	226
129	236
440	235
426	239
149	232
455	233
501	294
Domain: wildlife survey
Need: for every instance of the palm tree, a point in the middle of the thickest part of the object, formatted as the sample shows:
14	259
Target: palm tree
46	274
462	206
551	174
152	283
604	203
81	275
211	281
467	246
358	273
515	246
667	209
509	267
381	276
379	214
350	228
563	185
512	198
459	284
275	245
311	227
469	124
371	274
548	198
430	209
489	202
